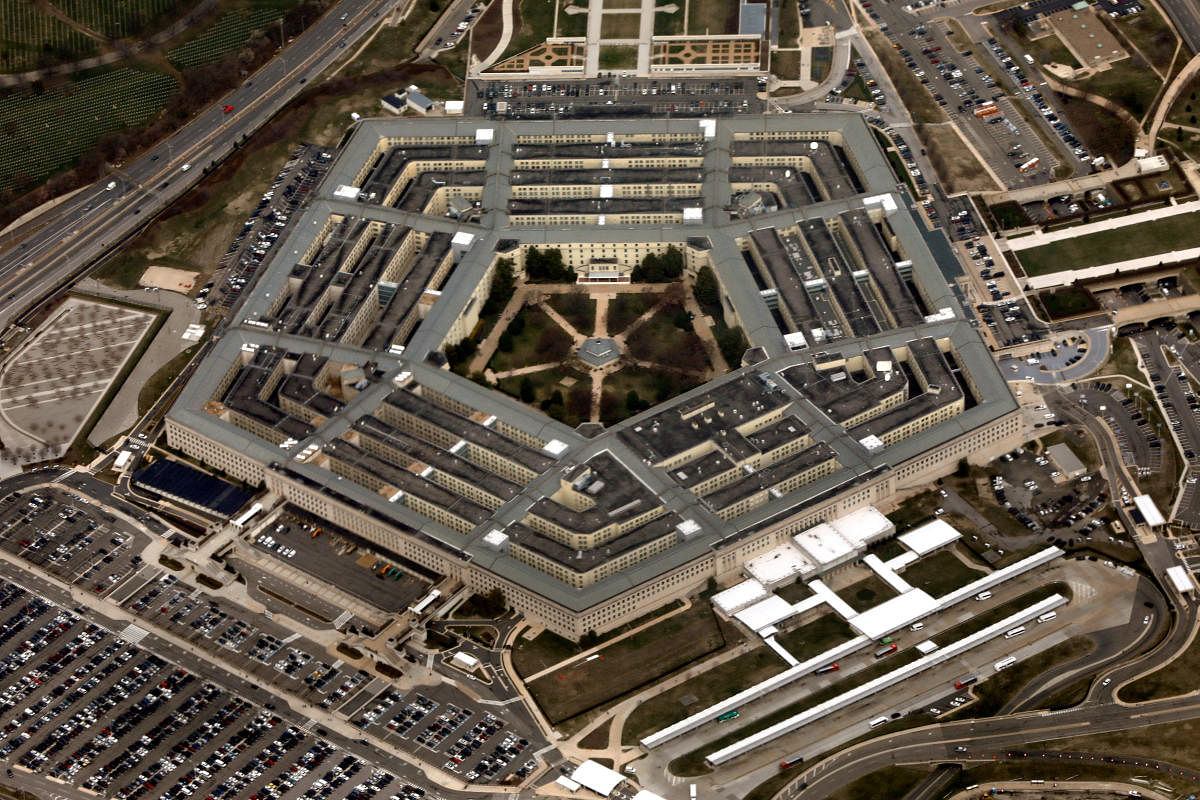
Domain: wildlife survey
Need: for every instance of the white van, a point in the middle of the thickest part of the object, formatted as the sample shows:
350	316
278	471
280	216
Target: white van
983	595
875	723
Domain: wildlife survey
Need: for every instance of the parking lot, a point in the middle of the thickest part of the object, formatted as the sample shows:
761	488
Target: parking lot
266	225
613	97
315	547
1068	511
1137	441
970	94
1178	401
93	710
70	538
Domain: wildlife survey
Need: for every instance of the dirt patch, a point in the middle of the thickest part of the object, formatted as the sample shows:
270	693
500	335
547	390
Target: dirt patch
173	280
956	165
486	33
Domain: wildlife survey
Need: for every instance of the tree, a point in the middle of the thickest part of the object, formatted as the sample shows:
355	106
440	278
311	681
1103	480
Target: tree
682	319
527	393
506	342
708	291
517	325
493	603
546	266
963	469
633	403
732	342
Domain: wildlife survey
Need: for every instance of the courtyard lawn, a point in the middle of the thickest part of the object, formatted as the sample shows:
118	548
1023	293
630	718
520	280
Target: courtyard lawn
867	593
814	638
660	340
541	341
576	308
940	573
626	307
1118	244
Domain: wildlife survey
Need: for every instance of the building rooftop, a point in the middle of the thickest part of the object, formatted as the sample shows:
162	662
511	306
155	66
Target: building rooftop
330	377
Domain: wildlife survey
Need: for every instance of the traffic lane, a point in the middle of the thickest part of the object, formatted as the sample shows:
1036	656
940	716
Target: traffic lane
937	743
315	48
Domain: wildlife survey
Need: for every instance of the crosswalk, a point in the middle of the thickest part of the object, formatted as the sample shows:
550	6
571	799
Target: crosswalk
133	634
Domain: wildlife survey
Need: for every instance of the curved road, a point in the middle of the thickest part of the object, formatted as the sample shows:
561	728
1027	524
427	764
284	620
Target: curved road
75	234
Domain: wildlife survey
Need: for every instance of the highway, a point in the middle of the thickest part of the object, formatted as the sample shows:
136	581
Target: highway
76	234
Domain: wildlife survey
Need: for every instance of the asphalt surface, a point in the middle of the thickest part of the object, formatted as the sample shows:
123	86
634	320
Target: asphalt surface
76	233
263	655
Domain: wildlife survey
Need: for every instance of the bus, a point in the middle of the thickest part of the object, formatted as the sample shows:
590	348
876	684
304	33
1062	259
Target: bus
728	715
788	763
827	669
122	459
875	723
886	651
1030	164
1017	631
1049	615
1005	663
963	683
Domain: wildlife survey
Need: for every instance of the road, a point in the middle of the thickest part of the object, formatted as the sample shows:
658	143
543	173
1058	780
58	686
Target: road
75	234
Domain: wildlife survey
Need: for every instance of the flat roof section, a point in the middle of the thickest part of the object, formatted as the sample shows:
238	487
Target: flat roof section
929	537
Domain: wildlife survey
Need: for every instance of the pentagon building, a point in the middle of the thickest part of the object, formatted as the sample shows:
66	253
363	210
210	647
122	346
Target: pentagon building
863	380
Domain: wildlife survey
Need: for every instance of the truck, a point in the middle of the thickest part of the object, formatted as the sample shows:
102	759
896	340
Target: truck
122	459
963	683
788	763
827	669
886	651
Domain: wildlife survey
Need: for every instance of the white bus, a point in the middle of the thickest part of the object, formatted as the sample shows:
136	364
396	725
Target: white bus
1049	615
875	723
1005	663
1017	631
122	459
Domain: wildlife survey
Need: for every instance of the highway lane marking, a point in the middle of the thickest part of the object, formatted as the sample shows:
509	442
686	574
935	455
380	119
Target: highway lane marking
223	123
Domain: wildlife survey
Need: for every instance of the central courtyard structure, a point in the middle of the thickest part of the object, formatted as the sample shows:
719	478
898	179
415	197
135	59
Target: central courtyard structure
853	374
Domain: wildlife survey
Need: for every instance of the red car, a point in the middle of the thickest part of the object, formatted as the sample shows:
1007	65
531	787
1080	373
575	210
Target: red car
227	109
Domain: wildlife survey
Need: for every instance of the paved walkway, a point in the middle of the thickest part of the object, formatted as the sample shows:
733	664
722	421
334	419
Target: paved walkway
1039	238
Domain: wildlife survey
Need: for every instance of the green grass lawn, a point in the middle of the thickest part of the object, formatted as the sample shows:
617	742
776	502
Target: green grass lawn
940	573
1067	302
812	639
541	341
620	26
789	23
1176	678
1050	50
626	307
576	308
1150	34
629	663
703	690
669	24
1130	83
867	593
536	24
652	386
160	380
794	592
997	690
913	511
618	56
660	340
1106	247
